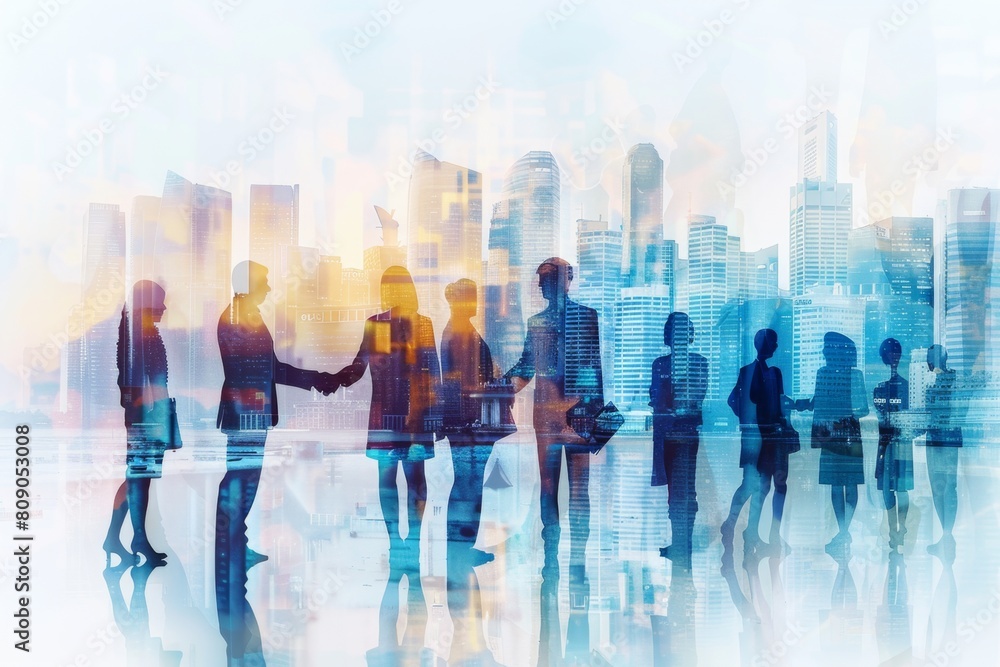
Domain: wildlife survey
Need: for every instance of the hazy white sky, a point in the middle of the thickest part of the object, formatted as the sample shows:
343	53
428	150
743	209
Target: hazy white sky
550	76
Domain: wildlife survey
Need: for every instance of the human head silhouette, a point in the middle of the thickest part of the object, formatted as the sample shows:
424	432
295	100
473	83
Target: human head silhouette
554	276
461	297
250	278
891	351
937	357
766	343
839	350
148	300
678	330
397	291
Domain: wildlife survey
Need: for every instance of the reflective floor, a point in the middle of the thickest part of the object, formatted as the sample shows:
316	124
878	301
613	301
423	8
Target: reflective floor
328	593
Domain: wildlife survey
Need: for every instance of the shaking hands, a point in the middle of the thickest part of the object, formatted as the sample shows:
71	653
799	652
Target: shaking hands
327	383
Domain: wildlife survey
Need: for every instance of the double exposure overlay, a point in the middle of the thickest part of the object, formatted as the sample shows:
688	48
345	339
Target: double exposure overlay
572	333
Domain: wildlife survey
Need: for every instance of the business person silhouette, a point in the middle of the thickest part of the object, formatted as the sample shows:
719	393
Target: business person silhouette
404	418
248	408
766	440
745	410
840	400
468	376
894	466
676	392
142	382
777	437
562	353
944	438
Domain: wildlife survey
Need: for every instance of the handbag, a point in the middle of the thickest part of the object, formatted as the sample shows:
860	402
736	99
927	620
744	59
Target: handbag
843	438
787	437
173	428
595	429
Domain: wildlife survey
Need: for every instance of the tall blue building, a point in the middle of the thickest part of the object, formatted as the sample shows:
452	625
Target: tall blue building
642	217
820	210
599	260
971	318
524	231
890	267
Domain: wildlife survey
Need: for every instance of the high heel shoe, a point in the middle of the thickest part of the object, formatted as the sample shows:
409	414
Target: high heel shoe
112	546
146	551
254	558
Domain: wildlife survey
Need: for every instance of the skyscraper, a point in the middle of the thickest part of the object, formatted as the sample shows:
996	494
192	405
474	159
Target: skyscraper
820	221
505	318
670	261
524	231
640	313
710	256
94	361
274	231
274	224
380	257
971	326
445	223
642	216
143	228
818	149
599	259
890	266
820	210
194	258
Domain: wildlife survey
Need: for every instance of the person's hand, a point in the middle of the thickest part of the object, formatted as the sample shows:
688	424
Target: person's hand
327	384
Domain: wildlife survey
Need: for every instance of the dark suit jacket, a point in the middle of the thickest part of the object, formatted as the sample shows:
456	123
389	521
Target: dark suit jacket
406	383
743	407
562	352
676	398
739	398
252	371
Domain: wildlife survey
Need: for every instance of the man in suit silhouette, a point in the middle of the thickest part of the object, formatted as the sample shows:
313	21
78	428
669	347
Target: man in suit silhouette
248	407
562	353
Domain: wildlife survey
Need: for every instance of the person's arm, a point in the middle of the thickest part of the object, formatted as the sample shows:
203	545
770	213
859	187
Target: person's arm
353	372
293	376
655	384
859	395
488	370
734	395
595	351
524	369
699	382
431	365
